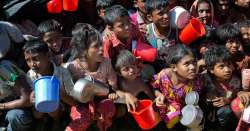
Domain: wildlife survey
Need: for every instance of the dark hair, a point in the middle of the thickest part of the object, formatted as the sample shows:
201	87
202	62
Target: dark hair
216	54
203	1
173	54
151	5
244	23
227	32
103	4
35	46
50	25
83	35
114	12
124	58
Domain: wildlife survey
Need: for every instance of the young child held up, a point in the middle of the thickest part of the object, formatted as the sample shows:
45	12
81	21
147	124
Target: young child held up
130	80
51	34
217	92
36	54
172	83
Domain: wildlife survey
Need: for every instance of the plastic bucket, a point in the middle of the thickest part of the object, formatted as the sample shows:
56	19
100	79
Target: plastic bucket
145	116
46	94
70	5
145	52
192	31
54	6
179	17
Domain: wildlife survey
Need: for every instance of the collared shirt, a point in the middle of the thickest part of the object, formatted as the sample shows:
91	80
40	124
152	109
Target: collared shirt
61	74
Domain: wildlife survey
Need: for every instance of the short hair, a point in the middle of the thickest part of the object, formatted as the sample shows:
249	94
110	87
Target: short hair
216	54
173	54
227	32
50	25
36	46
103	4
124	58
114	12
244	23
151	5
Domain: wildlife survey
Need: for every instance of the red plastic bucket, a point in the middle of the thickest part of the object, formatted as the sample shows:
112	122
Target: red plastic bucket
70	5
192	31
54	6
145	115
145	52
237	107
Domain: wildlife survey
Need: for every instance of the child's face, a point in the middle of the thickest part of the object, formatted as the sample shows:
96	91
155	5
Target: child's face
245	31
95	52
204	12
37	61
141	5
242	3
223	5
186	67
122	28
53	40
130	72
222	71
160	17
233	46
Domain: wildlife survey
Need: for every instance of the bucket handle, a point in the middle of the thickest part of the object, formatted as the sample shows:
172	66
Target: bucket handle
137	113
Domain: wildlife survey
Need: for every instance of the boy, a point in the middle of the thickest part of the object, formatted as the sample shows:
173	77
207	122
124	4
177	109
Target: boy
102	5
51	33
217	91
120	31
36	56
230	36
14	90
158	32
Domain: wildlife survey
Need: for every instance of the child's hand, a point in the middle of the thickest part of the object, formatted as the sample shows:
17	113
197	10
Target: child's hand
160	100
220	101
131	101
113	96
244	97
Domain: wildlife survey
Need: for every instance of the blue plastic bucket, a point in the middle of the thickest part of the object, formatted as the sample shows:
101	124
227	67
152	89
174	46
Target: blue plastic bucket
46	94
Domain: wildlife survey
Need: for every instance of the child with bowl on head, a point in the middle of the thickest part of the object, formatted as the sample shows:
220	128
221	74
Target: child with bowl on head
173	82
218	92
36	54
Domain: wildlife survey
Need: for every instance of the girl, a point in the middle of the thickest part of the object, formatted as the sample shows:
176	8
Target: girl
173	83
88	59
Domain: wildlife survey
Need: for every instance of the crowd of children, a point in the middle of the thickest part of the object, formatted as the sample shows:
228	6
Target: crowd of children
103	47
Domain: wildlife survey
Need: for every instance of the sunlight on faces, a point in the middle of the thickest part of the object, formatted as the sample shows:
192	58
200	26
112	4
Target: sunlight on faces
53	40
204	12
222	71
122	28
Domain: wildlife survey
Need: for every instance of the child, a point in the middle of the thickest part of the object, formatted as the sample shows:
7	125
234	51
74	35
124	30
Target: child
139	18
120	32
102	5
158	32
217	90
129	72
230	36
36	56
173	83
239	11
221	11
244	27
14	88
204	10
51	33
88	60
